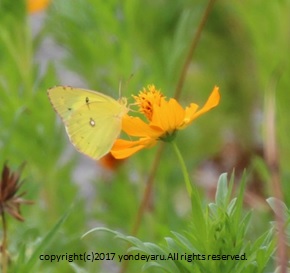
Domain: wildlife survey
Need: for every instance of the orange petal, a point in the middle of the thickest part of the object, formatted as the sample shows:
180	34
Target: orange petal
37	5
168	116
109	162
124	148
191	112
134	126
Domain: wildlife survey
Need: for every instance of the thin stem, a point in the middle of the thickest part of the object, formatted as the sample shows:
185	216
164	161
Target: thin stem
192	190
272	159
192	48
184	170
178	89
145	200
148	189
4	242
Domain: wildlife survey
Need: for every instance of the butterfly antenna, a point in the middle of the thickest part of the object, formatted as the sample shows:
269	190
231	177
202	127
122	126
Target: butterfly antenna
131	76
120	89
126	83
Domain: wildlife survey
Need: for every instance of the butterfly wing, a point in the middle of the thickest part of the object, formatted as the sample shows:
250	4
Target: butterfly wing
92	119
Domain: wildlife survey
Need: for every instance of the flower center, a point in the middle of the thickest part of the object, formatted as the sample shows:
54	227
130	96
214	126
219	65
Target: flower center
147	98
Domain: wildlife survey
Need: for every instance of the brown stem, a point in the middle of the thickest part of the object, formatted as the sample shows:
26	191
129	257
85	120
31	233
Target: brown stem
150	180
272	158
148	190
192	48
145	199
4	242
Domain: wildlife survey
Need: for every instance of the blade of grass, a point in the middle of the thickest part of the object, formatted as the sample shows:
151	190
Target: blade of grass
32	261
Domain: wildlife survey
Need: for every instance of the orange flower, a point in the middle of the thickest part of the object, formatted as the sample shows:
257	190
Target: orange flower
36	5
110	163
165	118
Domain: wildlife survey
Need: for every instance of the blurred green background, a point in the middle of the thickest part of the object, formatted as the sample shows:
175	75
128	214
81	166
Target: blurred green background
244	49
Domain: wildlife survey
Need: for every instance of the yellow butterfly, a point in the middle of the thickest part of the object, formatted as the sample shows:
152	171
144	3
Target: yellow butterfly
92	120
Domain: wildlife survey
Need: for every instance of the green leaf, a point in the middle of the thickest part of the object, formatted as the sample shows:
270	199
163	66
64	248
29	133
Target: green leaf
77	268
34	258
277	205
222	190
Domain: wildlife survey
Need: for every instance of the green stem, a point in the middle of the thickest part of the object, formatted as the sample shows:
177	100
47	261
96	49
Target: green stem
196	205
184	170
